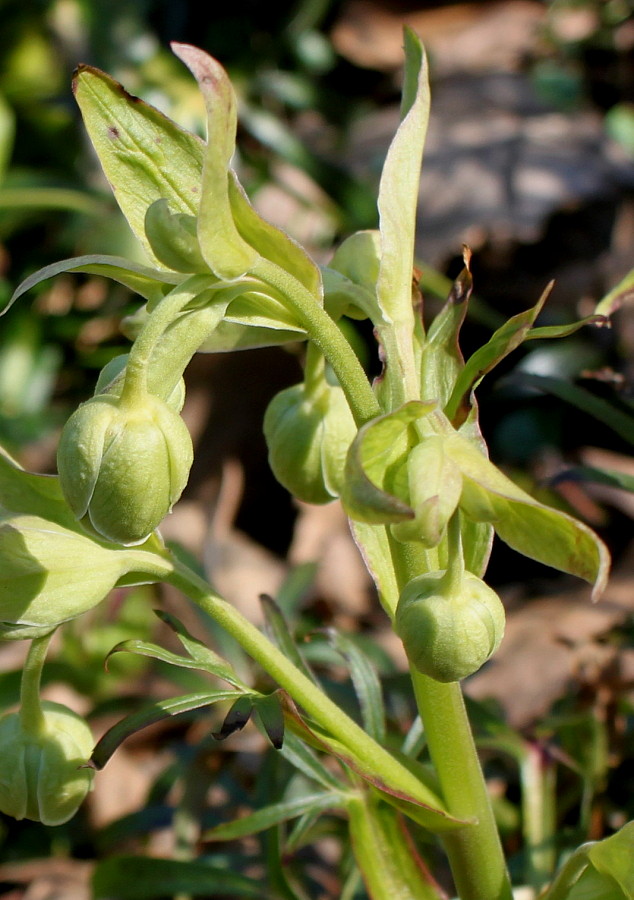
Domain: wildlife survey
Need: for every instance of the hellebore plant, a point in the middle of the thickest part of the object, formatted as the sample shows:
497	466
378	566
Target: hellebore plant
404	454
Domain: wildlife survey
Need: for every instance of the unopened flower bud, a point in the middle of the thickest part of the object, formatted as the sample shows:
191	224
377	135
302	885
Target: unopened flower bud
44	775
449	627
123	467
308	436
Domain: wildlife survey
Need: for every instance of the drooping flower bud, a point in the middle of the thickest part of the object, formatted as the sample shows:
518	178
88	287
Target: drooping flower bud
44	776
124	466
308	435
449	626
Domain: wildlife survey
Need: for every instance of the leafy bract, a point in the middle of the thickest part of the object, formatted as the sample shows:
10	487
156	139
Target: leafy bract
622	293
145	156
506	339
223	248
398	191
540	532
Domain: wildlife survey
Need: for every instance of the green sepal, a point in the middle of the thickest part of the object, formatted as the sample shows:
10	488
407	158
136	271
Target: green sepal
375	483
226	253
351	277
145	156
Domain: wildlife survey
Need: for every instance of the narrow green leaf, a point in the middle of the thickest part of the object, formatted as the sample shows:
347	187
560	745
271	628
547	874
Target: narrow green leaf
374	459
620	422
269	711
506	339
233	336
204	657
272	815
560	331
154	712
146	878
152	284
153	651
306	761
622	293
280	633
145	156
223	248
366	685
442	361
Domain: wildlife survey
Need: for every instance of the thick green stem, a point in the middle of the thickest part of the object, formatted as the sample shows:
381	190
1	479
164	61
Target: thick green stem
135	384
326	336
303	691
475	853
31	716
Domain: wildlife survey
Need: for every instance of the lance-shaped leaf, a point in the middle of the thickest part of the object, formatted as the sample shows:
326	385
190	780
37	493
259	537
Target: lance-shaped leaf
204	657
270	715
367	685
622	293
441	360
275	814
398	192
506	339
375	480
145	156
602	869
223	248
152	284
540	532
154	712
236	718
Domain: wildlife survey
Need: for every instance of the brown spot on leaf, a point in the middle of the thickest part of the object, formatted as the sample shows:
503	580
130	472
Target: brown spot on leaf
113	132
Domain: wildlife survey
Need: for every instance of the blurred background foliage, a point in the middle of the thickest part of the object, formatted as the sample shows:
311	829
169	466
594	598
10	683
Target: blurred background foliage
306	92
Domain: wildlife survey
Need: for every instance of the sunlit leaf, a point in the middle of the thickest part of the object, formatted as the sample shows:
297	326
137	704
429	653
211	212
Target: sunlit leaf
145	156
272	815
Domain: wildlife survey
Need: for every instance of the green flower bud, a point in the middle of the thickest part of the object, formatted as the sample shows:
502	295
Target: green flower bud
173	238
308	436
449	626
123	467
44	775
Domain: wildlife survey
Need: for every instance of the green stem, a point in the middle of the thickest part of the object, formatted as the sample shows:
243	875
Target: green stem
326	336
537	775
31	715
475	853
303	691
135	384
